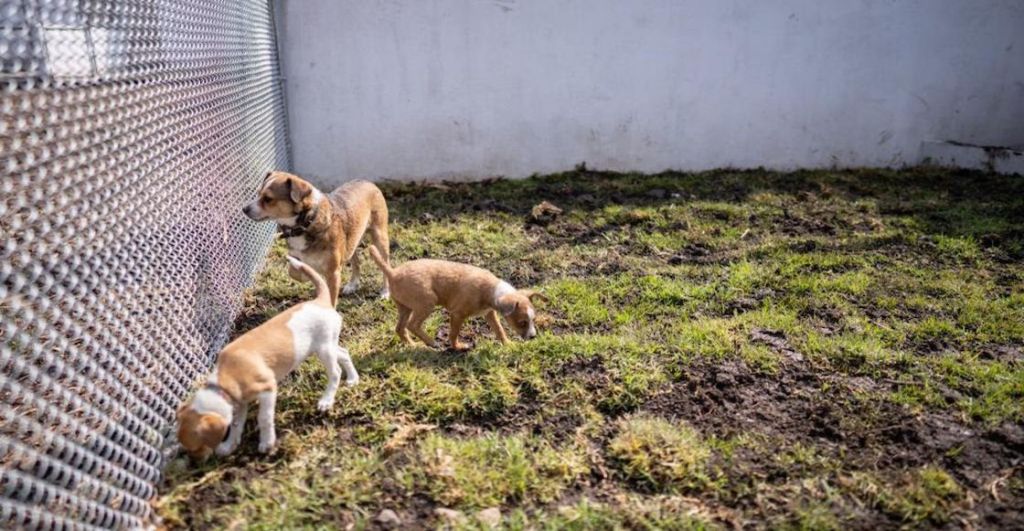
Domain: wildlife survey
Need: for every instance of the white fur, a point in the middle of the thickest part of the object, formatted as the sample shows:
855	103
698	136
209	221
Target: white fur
297	243
210	401
265	418
287	222
503	288
314	329
532	332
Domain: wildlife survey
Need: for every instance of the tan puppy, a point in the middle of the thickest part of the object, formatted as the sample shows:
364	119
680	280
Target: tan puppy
417	287
251	367
324	231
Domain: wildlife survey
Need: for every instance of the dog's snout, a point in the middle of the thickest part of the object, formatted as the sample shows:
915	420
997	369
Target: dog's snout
250	210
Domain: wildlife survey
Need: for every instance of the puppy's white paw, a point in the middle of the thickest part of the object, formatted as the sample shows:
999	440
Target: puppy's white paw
266	446
325	404
349	288
385	294
352	381
224	448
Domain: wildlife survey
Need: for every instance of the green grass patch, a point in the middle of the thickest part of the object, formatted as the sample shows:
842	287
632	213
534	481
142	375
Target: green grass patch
491	470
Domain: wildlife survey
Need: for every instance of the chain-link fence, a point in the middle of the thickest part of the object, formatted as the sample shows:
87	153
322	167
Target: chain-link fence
131	133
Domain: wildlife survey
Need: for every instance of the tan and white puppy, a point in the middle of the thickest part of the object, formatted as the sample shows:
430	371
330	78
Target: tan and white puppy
324	230
417	287
251	367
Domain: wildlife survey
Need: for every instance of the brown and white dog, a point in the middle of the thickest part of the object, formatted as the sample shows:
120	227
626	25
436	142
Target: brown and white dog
417	287
324	231
252	366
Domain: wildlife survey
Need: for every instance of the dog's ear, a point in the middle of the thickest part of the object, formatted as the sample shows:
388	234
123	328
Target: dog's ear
533	294
211	430
298	189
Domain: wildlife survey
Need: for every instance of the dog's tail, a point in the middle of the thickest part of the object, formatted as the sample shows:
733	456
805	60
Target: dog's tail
323	293
384	266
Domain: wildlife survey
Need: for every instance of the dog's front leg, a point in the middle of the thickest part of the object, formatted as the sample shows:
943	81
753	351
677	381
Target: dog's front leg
235	437
353	281
265	418
492	319
332	275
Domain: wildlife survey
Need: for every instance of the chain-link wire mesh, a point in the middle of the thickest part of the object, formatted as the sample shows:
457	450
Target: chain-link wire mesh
131	133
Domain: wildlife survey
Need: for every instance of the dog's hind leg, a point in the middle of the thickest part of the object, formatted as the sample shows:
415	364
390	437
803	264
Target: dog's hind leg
329	357
403	322
379	238
268	437
351	376
416	325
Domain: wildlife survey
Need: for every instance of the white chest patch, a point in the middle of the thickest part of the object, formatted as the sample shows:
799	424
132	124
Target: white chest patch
314	329
297	244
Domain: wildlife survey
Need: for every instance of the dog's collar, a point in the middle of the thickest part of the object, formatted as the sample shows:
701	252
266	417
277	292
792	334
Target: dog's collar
302	223
220	391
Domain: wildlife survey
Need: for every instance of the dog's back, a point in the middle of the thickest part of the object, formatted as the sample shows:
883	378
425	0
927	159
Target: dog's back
357	196
445	283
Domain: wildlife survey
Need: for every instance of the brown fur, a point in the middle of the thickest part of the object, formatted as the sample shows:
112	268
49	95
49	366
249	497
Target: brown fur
199	433
336	226
417	287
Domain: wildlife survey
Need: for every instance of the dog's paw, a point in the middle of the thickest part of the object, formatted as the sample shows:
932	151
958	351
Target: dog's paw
225	448
352	381
267	446
349	288
385	294
325	404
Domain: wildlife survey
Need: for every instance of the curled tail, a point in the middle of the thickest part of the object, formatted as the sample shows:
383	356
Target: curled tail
384	266
323	293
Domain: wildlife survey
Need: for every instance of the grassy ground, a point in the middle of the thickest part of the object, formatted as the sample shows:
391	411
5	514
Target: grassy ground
810	350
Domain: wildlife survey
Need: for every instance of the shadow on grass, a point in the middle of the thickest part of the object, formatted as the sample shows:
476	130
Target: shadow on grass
965	204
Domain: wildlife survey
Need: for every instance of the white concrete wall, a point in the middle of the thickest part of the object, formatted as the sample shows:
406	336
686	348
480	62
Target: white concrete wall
474	88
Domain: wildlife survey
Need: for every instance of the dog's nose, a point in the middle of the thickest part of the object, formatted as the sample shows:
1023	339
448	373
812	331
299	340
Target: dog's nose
245	210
